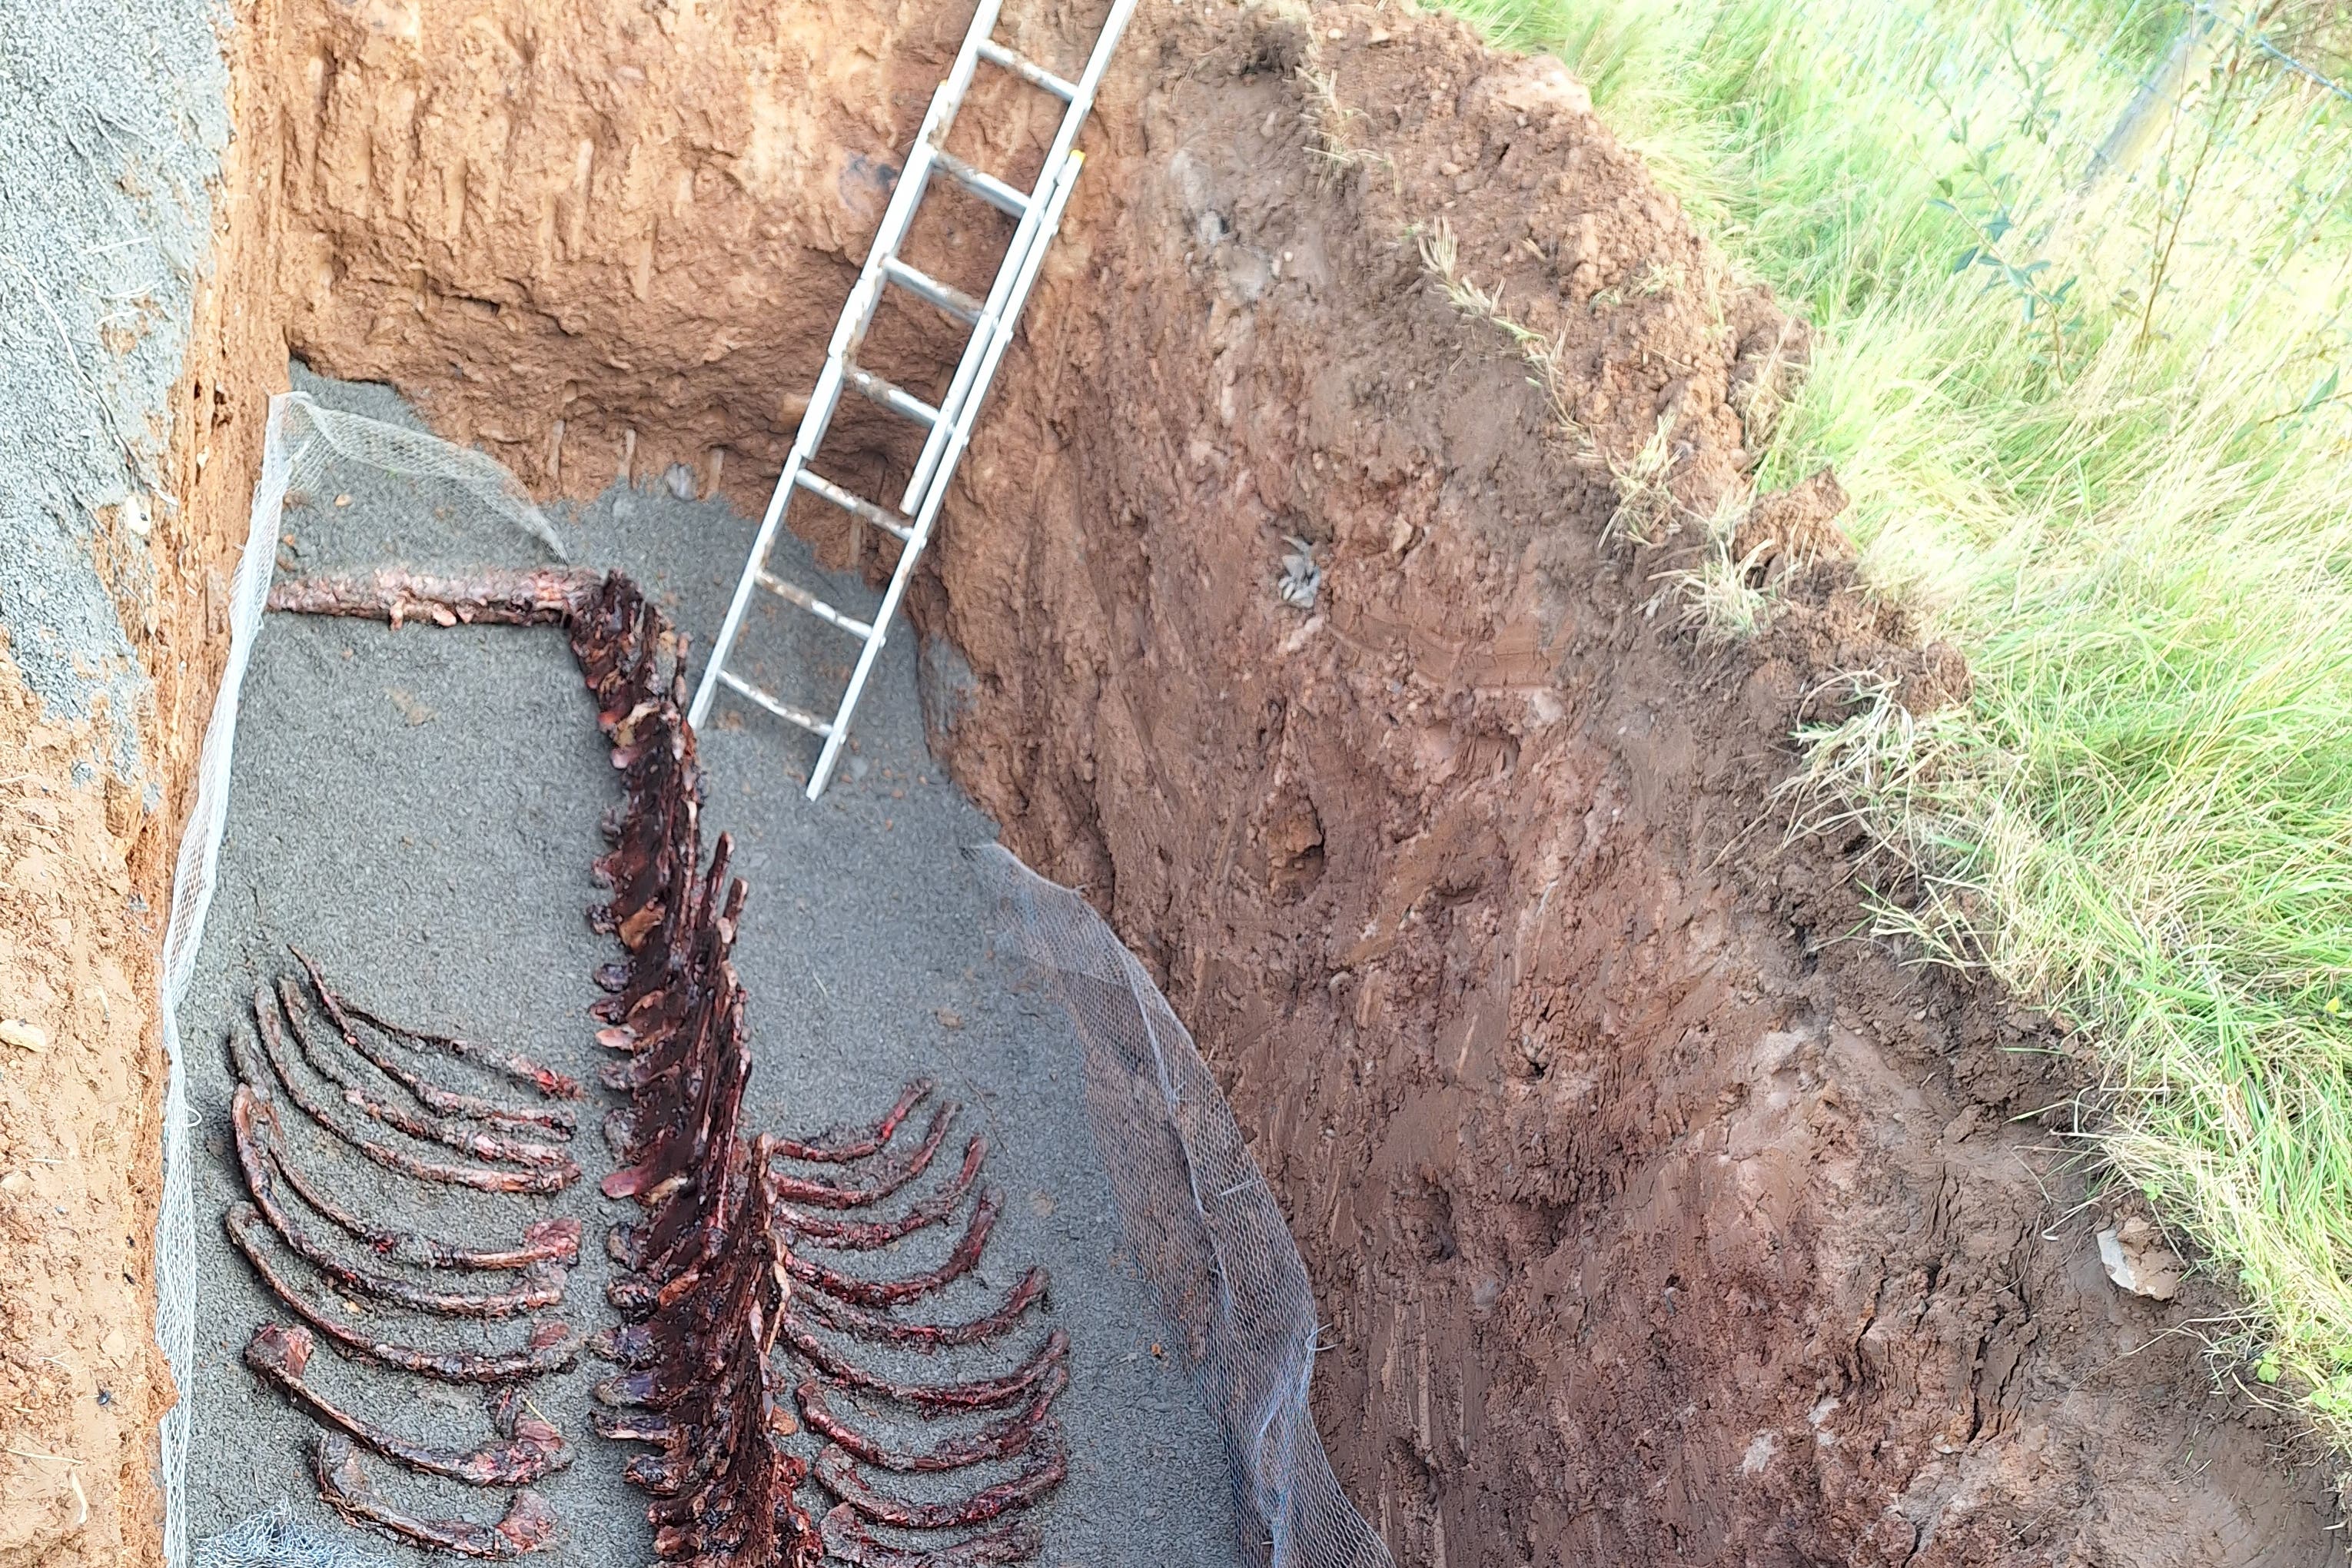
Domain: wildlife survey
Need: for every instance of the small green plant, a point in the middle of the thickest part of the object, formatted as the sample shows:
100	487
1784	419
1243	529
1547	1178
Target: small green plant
1981	197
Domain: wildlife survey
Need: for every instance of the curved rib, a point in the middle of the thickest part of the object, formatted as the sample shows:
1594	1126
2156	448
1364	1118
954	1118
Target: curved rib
982	1393
846	1537
555	1119
834	1195
391	1158
876	1329
528	1526
1049	1467
553	1346
837	1148
554	1240
889	1293
865	1235
442	1130
529	1448
999	1439
542	1287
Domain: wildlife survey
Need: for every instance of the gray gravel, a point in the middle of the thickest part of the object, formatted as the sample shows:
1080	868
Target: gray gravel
113	117
418	809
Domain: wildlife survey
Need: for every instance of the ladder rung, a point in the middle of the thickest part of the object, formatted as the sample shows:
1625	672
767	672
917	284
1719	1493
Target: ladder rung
784	711
888	522
894	398
983	184
814	606
1028	70
953	301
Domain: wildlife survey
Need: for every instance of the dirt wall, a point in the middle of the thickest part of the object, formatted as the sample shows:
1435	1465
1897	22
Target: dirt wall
88	828
1656	1215
1657	1218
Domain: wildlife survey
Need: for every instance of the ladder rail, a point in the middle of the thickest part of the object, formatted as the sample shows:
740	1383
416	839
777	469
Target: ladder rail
1039	213
1031	263
856	315
1066	137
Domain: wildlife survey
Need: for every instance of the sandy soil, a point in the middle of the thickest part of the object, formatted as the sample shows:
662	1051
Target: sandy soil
419	810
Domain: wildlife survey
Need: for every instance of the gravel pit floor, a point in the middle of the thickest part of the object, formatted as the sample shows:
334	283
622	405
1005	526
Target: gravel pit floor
417	810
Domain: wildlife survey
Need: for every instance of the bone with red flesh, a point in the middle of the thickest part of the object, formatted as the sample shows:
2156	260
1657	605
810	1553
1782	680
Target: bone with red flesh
1002	1439
633	1424
982	1393
1049	1467
551	1348
735	1399
696	1430
390	1156
846	1537
649	872
707	1256
675	1144
683	1106
448	1133
510	1064
876	1328
833	1195
529	1525
839	1148
723	1488
733	1281
538	597
675	1046
662	986
692	1332
665	957
527	1450
681	1319
889	1292
690	1226
554	1240
554	1119
340	1012
434	1096
657	1030
542	1286
865	1235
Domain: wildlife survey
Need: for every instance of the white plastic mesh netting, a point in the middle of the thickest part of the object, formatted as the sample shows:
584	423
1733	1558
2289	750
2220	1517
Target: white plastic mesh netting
274	1539
301	438
1199	1216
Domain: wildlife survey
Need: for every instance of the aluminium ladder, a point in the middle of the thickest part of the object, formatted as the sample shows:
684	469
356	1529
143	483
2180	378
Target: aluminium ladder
1038	213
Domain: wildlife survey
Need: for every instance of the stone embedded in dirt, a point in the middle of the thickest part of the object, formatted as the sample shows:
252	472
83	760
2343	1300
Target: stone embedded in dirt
2137	1261
23	1035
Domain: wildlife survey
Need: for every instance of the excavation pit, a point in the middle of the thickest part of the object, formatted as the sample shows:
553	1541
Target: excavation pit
1654	1214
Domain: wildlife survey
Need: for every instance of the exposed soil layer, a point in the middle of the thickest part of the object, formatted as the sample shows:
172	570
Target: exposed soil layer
123	463
1657	1218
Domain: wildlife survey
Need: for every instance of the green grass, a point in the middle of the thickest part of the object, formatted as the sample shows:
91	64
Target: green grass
2109	458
